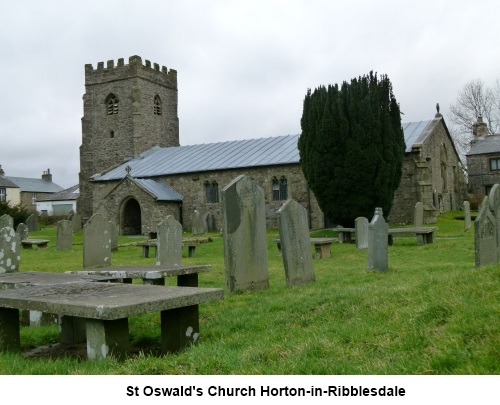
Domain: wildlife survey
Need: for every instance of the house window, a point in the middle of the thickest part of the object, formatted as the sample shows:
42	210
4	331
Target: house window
280	188
212	192
112	104
495	164
157	106
33	199
3	194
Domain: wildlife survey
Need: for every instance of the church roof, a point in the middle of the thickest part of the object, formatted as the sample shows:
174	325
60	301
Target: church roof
279	150
488	144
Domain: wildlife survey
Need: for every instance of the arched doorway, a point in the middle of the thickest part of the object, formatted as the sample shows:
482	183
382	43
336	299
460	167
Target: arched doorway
131	217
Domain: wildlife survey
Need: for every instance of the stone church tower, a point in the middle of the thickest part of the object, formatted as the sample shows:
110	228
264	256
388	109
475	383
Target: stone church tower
127	109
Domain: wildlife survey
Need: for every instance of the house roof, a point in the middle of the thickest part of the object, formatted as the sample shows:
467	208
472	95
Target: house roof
5	182
69	194
35	185
488	144
280	150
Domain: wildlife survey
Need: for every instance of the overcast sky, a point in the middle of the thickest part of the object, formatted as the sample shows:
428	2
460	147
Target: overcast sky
243	66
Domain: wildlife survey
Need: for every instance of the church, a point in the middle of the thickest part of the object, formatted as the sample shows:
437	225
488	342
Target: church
135	172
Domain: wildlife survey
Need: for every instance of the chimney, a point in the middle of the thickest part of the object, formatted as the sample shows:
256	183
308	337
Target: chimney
479	128
47	176
2	173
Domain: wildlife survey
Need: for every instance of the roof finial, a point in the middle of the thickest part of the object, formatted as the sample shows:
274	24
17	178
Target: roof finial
437	107
128	169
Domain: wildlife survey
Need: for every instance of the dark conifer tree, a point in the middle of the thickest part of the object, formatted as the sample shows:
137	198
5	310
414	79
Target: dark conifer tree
352	147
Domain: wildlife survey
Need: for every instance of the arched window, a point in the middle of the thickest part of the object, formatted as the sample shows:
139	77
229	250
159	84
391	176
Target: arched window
444	164
280	188
112	104
211	192
157	105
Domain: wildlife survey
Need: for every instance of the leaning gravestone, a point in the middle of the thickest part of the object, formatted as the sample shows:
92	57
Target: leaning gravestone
6	221
467	217
361	226
10	244
418	215
244	234
169	238
197	223
64	235
22	231
378	242
96	242
485	236
32	222
295	243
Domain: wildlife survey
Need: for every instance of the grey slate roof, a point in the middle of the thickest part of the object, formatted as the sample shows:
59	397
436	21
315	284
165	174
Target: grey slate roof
279	150
488	144
66	195
35	185
161	191
5	182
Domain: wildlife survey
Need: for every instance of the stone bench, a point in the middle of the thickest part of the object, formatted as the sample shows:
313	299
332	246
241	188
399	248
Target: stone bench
98	313
146	245
424	234
187	275
322	246
345	235
29	243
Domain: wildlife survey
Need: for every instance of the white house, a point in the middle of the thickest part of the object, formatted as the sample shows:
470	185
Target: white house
60	203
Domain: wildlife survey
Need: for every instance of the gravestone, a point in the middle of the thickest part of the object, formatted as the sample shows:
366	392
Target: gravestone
32	222
361	226
494	205
76	219
169	239
114	231
209	222
244	235
64	235
6	221
197	223
467	216
96	242
295	243
378	238
10	244
485	236
22	231
418	215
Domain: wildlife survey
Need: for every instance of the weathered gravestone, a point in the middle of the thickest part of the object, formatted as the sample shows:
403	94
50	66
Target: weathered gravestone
198	227
361	226
209	222
64	235
32	222
485	236
10	244
114	231
418	215
467	216
295	243
96	242
22	231
76	219
169	239
6	221
244	234
378	241
494	204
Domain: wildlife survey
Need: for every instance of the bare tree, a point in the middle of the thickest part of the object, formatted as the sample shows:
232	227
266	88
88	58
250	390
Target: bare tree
474	100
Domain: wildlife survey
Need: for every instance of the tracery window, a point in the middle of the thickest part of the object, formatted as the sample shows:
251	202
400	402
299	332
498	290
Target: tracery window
112	104
157	105
280	188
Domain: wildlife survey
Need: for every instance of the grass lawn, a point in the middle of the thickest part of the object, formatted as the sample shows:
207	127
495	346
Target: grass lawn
432	312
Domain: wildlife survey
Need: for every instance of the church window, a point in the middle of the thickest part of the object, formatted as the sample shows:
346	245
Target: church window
157	105
212	192
280	188
495	164
3	195
112	104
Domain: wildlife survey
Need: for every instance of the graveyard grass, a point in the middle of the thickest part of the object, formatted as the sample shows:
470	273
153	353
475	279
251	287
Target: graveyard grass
432	312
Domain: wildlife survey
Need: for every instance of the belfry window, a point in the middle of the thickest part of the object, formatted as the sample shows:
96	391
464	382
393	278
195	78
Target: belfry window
112	105
157	105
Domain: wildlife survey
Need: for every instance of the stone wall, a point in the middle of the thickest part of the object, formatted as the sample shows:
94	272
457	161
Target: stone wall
481	178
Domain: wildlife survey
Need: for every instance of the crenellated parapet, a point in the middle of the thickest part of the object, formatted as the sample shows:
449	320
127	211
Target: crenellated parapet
134	68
